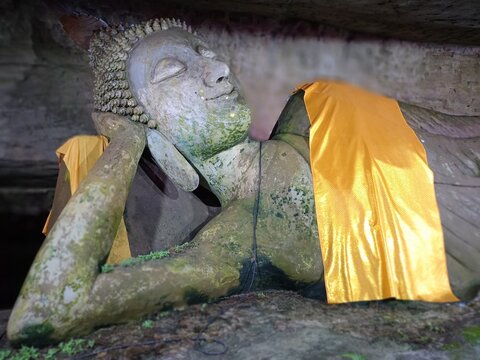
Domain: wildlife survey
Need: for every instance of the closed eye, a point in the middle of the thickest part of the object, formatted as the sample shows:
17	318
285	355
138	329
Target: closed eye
167	68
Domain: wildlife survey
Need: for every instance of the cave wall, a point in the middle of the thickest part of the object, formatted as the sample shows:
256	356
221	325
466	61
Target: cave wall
45	98
437	21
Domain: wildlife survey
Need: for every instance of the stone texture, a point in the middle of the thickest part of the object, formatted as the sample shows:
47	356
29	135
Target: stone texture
453	150
283	325
45	85
434	21
82	234
45	97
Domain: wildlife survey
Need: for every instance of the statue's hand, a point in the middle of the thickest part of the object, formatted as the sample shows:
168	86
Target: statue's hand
108	124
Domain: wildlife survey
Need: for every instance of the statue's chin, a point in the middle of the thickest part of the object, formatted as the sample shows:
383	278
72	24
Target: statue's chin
221	131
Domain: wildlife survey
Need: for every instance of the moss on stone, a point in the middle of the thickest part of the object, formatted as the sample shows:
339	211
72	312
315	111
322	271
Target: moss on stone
140	259
472	334
178	249
451	346
35	335
219	134
232	245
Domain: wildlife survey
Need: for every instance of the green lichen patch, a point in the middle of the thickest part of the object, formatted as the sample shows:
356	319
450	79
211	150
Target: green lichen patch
353	356
106	268
36	335
140	259
232	245
51	354
216	135
472	334
451	346
154	255
178	249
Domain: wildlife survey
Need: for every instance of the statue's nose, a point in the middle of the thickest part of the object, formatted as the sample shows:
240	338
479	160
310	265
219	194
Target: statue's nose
216	72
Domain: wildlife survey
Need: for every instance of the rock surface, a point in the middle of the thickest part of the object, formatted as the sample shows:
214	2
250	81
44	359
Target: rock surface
45	98
433	21
283	325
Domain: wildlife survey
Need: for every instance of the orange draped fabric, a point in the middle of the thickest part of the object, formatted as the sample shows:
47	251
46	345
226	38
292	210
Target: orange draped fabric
378	220
79	155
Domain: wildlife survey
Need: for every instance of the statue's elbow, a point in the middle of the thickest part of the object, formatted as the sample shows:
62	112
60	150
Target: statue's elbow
28	330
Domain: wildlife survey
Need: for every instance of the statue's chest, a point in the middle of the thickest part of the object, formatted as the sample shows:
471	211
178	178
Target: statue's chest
286	204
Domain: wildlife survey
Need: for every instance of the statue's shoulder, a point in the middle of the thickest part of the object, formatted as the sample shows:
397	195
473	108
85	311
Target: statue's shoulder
293	126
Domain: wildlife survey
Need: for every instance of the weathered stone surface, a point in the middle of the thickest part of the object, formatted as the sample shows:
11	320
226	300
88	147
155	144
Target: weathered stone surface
283	245
433	21
172	162
45	98
453	150
283	325
80	239
55	99
45	87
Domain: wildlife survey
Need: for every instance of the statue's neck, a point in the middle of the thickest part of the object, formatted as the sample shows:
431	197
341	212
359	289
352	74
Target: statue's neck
231	174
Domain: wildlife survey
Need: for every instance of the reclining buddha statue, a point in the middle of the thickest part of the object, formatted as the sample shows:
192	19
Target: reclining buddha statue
158	84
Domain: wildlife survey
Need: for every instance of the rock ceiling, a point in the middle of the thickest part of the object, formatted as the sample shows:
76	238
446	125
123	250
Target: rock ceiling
443	21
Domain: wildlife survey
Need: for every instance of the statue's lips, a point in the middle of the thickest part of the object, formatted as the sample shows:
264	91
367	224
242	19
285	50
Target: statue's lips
230	95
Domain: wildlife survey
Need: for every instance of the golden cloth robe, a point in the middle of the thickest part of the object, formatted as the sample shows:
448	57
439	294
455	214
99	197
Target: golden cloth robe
378	220
79	154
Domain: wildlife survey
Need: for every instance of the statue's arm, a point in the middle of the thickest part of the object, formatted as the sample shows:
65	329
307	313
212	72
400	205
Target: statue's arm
66	294
59	282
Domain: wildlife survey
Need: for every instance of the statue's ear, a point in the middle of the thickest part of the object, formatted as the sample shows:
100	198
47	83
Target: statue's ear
171	161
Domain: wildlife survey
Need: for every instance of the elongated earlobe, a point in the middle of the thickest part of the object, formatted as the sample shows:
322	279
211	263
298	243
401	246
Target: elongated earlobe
171	161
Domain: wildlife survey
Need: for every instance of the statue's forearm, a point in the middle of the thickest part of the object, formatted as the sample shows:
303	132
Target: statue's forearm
209	269
60	280
129	293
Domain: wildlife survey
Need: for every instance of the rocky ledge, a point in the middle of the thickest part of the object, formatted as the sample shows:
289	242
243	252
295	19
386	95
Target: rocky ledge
282	325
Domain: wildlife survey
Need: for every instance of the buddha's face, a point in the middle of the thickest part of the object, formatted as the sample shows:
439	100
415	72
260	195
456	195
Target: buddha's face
189	91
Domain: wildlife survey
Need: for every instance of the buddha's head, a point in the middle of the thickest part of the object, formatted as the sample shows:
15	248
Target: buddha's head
161	74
